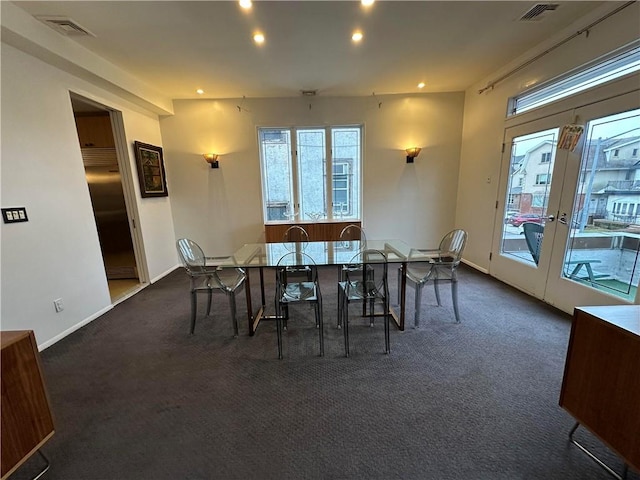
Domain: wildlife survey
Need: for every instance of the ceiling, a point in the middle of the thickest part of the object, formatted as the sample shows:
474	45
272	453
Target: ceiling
179	46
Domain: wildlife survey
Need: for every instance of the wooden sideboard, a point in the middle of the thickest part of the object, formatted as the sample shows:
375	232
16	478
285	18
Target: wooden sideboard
328	231
27	423
601	384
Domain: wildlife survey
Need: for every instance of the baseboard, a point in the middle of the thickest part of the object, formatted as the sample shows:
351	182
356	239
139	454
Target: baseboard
99	313
75	327
474	266
165	273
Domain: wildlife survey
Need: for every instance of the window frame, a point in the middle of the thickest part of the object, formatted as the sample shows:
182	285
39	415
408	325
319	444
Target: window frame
294	169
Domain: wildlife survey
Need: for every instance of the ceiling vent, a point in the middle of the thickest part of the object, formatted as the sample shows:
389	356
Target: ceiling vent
64	25
537	11
308	93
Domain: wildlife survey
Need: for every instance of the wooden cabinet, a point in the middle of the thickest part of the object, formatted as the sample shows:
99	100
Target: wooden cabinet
318	231
26	417
601	384
95	131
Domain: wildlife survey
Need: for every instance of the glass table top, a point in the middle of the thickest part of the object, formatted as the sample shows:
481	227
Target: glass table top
322	253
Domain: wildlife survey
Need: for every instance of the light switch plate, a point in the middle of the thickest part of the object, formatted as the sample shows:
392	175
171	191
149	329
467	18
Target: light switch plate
14	215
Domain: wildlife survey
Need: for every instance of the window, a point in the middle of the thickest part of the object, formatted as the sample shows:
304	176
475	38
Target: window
341	189
616	65
299	167
539	200
546	157
635	152
543	179
616	152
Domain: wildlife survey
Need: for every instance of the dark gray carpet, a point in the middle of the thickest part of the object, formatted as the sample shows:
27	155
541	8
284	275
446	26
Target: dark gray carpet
135	397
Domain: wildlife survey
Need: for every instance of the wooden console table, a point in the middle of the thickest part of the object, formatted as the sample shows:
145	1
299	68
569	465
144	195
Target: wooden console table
601	384
27	423
321	231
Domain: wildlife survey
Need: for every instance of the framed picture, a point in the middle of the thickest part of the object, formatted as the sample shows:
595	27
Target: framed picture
151	174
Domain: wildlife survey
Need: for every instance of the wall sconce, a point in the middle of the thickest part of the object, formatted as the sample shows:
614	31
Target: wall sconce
212	158
412	153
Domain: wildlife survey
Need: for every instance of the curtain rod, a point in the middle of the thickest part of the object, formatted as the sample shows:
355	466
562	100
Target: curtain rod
586	29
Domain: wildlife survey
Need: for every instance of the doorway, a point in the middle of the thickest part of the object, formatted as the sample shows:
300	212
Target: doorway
105	182
580	203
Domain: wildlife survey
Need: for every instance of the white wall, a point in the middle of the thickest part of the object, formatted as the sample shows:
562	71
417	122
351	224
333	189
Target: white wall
484	119
56	254
221	209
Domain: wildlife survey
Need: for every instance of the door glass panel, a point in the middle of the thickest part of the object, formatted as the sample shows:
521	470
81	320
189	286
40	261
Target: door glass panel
311	174
275	149
346	172
529	184
603	245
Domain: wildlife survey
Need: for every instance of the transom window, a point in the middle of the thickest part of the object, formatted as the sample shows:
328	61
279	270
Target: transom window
300	165
617	64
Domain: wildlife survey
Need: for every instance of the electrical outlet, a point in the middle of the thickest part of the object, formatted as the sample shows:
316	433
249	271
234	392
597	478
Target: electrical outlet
59	306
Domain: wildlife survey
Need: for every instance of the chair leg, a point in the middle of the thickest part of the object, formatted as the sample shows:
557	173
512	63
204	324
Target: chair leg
454	296
418	302
371	311
339	324
234	318
436	288
209	302
345	324
321	325
387	340
279	333
194	306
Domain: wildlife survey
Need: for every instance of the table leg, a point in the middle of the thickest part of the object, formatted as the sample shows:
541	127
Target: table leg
247	291
403	293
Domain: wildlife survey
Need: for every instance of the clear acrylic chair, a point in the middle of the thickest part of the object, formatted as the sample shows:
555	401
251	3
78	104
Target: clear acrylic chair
292	289
437	265
297	238
362	285
349	234
295	233
206	277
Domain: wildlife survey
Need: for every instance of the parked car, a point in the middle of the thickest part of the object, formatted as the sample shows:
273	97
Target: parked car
520	218
510	213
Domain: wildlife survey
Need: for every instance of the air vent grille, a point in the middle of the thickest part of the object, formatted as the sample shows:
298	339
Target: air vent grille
537	11
64	25
99	157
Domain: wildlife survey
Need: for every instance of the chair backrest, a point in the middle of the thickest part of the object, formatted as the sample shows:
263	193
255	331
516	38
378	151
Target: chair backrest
191	255
452	246
533	234
366	273
353	232
295	262
295	233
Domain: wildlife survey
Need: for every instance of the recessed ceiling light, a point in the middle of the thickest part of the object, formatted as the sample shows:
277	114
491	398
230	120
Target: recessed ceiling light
367	3
258	38
421	85
199	91
246	4
357	36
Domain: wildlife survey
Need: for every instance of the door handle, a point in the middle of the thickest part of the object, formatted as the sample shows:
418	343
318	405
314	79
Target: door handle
563	218
551	218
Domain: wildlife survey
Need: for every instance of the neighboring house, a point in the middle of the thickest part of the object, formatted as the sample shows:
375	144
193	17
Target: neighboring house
531	179
610	180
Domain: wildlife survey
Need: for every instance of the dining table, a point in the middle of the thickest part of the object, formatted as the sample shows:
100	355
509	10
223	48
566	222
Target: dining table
258	256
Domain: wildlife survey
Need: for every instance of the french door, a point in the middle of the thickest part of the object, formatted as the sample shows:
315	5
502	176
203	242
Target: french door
585	202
